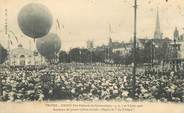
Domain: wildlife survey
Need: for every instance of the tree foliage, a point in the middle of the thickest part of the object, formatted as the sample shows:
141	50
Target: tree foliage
3	54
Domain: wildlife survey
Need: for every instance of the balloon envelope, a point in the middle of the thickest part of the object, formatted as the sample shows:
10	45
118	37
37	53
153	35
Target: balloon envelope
35	20
49	45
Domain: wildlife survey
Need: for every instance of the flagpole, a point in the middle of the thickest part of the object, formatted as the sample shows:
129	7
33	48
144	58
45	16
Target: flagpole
134	49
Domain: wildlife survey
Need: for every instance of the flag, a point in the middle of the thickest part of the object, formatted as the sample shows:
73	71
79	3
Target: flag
11	42
15	36
58	24
16	39
8	36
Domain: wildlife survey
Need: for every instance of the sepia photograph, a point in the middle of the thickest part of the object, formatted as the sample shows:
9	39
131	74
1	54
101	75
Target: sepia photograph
91	56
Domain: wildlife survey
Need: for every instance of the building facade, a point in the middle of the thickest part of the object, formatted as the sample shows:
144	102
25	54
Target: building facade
178	45
90	44
21	56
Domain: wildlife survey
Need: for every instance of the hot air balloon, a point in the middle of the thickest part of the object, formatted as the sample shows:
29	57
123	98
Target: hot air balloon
49	45
3	54
35	20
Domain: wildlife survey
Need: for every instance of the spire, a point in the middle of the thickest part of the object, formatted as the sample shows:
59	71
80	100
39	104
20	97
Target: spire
157	21
110	39
157	34
110	42
176	34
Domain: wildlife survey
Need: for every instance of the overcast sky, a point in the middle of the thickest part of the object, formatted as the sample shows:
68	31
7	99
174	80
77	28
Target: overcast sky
89	19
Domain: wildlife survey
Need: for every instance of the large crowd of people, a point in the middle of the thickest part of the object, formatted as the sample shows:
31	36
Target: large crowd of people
89	82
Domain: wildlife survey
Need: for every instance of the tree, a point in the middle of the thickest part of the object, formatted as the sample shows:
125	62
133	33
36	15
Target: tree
74	55
3	54
99	55
63	57
148	52
85	56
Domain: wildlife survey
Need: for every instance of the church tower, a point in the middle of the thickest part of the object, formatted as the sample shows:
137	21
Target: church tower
176	34
157	33
110	42
110	39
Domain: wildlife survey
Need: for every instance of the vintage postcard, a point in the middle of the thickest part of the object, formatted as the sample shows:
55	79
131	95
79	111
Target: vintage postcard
91	56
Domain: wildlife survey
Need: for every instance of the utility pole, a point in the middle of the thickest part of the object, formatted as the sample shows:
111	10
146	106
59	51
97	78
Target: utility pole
134	49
